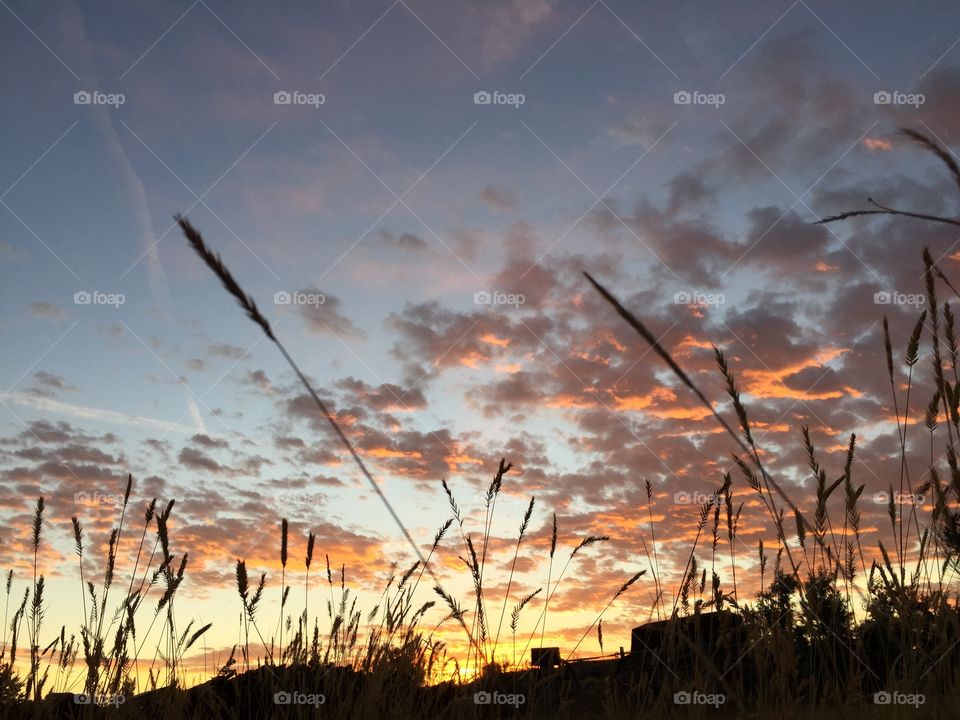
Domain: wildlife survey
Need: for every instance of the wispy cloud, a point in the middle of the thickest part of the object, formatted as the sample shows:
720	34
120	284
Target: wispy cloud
90	413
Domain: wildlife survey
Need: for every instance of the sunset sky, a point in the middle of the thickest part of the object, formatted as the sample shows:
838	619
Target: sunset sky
402	201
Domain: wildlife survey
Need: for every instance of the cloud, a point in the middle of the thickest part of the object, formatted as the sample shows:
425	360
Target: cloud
90	413
506	25
407	242
198	460
48	383
499	199
208	442
326	318
226	350
688	191
194	411
872	143
639	129
48	311
260	382
385	397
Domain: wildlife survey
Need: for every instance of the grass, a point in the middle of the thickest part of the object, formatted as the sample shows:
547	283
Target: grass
796	648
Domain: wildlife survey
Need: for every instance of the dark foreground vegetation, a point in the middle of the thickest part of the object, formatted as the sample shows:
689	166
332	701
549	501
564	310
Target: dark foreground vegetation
839	628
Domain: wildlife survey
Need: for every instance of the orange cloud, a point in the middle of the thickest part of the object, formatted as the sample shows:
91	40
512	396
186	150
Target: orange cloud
681	413
592	357
691	342
455	461
765	383
571	402
642	402
635	402
388	453
654	405
494	340
877	144
821	266
473	359
771	427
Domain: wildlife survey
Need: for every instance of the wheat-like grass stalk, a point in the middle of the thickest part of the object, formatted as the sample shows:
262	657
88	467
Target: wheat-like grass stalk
546	604
623	588
746	444
515	619
78	548
437	539
308	560
586	542
246	302
284	539
6	607
493	492
516	553
685	379
36	607
942	153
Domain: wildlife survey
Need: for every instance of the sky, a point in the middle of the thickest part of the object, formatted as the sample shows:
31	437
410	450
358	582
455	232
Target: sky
411	192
